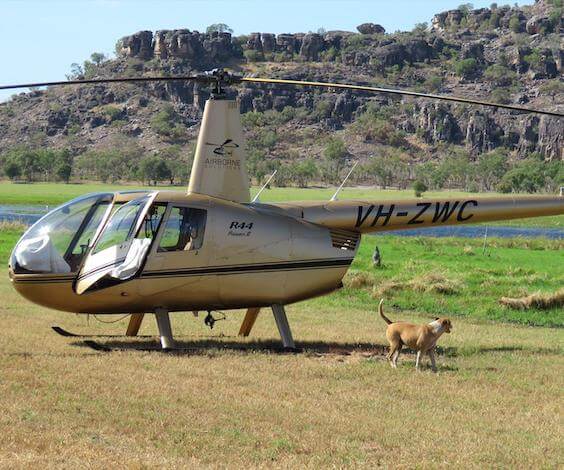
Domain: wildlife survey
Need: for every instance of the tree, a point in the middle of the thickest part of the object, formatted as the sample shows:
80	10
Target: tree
98	58
27	160
76	72
465	8
335	153
303	172
420	28
154	169
491	168
12	170
179	161
64	171
527	176
63	165
218	28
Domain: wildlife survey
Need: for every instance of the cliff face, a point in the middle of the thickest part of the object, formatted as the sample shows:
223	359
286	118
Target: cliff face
503	54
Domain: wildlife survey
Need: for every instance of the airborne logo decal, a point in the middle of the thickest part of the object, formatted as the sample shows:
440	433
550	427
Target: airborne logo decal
438	212
224	158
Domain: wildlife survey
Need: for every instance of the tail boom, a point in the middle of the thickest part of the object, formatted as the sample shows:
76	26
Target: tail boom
379	216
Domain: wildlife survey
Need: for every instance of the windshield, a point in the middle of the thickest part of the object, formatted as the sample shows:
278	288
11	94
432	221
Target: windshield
121	226
58	242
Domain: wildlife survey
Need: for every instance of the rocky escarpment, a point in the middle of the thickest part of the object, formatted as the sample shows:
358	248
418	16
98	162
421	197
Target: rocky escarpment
197	48
475	53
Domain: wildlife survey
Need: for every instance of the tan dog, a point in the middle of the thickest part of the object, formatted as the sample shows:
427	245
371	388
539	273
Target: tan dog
422	338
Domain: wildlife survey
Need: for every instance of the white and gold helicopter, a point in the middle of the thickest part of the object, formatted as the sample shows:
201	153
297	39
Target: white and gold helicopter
212	247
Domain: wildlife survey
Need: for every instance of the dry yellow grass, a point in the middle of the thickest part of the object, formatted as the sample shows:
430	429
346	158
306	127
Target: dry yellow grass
358	280
539	300
12	226
496	401
429	282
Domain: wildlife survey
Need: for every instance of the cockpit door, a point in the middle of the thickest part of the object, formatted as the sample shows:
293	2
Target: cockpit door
122	246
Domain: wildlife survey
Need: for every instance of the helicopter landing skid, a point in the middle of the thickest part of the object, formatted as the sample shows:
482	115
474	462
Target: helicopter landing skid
103	348
70	334
96	346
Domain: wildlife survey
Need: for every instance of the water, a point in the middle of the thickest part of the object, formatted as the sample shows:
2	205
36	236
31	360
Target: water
478	231
22	213
30	214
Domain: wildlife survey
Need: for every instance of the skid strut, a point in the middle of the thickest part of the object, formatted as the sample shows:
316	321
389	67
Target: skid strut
165	330
283	326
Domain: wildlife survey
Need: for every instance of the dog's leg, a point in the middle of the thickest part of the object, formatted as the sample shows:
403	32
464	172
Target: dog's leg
431	353
395	357
417	360
393	353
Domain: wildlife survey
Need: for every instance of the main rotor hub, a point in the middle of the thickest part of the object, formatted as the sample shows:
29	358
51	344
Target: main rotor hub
219	78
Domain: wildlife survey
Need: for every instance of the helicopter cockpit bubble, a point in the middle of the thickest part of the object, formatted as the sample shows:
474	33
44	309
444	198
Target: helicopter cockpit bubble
58	242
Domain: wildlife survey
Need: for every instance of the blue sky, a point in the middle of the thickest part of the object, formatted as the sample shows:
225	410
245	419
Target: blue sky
42	38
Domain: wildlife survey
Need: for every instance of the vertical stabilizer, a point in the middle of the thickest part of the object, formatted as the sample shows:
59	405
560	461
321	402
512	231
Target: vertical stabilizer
219	168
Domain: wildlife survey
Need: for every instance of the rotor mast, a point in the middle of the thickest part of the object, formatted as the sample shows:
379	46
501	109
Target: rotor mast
219	168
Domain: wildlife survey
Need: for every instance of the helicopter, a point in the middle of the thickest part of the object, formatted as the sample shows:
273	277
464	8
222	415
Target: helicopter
213	247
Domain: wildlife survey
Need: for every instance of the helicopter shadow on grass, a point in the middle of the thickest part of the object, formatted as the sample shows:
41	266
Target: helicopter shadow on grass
220	345
216	345
212	346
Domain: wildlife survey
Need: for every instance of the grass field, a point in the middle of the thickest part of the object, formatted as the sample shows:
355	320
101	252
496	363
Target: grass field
53	194
496	401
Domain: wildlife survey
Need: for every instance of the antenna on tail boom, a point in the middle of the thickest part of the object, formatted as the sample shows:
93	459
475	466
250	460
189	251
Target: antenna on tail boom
256	198
334	197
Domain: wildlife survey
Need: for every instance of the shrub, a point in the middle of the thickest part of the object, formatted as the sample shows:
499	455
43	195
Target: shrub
253	56
112	112
466	67
434	83
552	88
500	75
501	95
515	24
419	187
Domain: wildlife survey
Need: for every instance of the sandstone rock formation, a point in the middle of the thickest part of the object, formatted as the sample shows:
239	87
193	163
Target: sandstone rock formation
370	28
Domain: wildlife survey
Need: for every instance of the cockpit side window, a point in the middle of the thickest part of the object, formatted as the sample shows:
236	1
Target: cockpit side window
152	221
184	230
121	225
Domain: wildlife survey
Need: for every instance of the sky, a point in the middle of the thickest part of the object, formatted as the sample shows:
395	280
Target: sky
42	38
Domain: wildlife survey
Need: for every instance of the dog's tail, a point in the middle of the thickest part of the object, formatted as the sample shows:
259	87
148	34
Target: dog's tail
381	310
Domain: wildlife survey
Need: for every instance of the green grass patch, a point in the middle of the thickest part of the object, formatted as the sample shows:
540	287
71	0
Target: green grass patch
9	235
455	277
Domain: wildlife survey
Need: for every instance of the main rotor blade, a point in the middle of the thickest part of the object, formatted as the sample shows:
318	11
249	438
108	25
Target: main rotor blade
103	80
399	92
226	78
